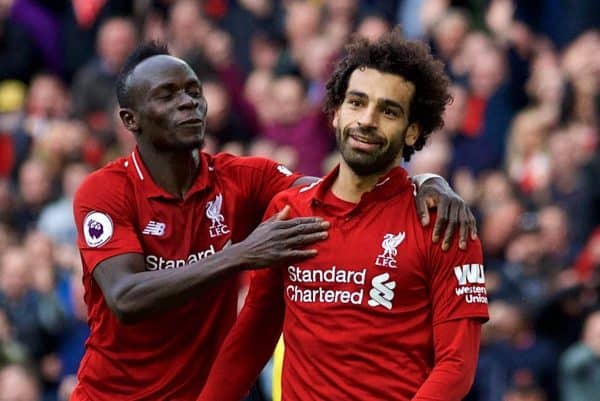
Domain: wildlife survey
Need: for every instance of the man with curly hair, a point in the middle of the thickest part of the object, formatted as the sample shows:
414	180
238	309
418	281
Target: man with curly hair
380	313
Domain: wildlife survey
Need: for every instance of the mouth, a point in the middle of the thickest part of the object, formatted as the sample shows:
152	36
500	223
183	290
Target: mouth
191	122
364	144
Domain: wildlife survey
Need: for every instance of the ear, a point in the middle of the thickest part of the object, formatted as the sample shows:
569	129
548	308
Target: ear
335	118
129	120
412	134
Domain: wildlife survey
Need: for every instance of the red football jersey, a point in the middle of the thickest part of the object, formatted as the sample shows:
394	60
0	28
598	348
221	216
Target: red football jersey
119	209
359	316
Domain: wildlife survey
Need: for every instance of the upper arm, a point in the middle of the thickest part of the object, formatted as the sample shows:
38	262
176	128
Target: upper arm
457	283
111	274
105	220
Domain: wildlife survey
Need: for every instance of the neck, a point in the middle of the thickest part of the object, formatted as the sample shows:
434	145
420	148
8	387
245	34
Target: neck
174	171
350	187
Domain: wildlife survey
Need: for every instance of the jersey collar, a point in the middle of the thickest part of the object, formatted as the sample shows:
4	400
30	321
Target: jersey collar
393	183
152	190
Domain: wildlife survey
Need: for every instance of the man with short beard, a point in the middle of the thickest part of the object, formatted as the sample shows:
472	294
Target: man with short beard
379	313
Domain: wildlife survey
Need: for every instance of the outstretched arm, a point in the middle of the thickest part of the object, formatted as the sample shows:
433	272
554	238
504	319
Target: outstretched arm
134	294
433	191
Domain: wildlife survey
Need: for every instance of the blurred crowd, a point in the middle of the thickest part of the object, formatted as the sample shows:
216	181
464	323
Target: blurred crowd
520	145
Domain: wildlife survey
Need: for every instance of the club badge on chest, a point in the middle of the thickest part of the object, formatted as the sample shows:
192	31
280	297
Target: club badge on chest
213	212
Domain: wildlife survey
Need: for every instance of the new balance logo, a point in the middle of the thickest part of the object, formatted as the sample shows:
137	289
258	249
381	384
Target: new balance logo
155	228
382	292
469	274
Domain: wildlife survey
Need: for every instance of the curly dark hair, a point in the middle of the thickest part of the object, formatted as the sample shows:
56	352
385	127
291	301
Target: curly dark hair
410	59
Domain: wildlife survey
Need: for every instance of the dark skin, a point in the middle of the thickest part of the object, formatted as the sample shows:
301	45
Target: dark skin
167	118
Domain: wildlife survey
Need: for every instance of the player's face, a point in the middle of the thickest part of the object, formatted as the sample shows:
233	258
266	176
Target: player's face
170	106
372	124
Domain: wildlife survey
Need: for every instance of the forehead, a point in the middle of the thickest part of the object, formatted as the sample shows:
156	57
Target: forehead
381	85
162	69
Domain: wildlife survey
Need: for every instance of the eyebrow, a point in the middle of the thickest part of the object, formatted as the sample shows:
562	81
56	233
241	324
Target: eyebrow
383	102
171	85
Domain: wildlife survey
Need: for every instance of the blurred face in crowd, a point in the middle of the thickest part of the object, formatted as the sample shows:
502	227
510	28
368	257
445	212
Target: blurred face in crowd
185	21
487	73
169	108
316	59
373	28
455	111
302	21
47	97
290	100
372	124
449	33
554	226
16	384
217	114
14	273
34	183
116	40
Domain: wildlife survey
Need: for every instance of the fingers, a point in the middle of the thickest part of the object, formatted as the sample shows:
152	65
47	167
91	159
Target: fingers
472	224
464	227
450	226
441	219
305	239
283	213
422	209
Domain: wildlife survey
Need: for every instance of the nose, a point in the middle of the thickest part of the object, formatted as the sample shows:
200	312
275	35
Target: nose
367	117
188	102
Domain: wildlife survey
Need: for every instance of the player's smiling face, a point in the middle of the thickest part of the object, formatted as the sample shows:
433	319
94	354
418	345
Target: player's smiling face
372	124
170	107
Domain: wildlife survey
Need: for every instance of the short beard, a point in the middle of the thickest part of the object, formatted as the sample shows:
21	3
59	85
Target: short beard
367	164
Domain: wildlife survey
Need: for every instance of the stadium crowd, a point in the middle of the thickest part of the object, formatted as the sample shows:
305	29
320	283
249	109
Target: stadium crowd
520	145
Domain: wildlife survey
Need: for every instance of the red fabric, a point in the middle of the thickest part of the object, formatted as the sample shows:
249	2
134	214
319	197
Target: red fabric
168	356
360	320
456	344
86	11
473	121
7	156
585	264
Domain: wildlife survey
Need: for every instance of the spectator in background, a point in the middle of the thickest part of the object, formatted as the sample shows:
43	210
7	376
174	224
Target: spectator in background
36	316
18	383
296	124
47	99
56	219
34	189
580	364
93	85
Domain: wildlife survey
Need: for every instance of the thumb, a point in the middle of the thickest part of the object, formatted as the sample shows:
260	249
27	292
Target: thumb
283	213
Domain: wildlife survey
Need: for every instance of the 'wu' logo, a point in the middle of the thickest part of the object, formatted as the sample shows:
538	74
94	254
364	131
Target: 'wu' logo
213	212
469	274
389	244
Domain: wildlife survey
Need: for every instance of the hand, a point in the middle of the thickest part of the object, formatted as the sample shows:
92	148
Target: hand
451	210
279	240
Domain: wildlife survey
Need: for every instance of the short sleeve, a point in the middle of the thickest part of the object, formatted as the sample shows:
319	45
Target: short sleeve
267	179
458	283
104	221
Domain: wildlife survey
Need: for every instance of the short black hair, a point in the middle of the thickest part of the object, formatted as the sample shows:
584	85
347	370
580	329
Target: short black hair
408	58
139	54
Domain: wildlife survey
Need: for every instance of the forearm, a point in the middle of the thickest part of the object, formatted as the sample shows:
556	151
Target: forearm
456	353
139	295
